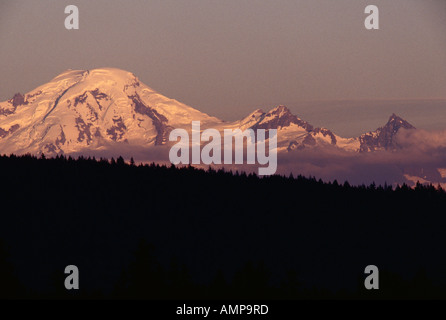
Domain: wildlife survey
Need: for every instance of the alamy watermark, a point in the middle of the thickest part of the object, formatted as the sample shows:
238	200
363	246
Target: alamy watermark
371	282
370	23
72	20
72	280
233	153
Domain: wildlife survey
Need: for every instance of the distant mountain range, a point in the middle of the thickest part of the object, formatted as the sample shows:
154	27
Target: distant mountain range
103	109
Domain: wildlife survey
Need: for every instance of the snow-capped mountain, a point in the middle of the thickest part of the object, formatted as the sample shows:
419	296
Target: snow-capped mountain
102	109
90	110
384	138
294	133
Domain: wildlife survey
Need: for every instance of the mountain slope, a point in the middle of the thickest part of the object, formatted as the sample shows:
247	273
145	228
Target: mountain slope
383	137
90	109
104	109
293	133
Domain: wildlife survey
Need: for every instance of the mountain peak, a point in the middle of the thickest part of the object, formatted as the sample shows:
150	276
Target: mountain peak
96	77
383	137
114	72
91	109
107	108
397	122
280	111
256	113
280	117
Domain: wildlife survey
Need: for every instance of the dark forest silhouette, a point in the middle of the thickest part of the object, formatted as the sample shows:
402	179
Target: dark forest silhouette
157	232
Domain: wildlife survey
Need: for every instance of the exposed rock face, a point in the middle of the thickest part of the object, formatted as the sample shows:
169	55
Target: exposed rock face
11	107
101	109
384	138
4	133
280	117
295	133
159	121
18	99
326	133
89	110
116	132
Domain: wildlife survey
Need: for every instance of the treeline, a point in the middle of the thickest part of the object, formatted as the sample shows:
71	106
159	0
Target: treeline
212	234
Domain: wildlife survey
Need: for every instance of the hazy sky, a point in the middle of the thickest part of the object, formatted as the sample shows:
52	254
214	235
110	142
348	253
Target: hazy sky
229	57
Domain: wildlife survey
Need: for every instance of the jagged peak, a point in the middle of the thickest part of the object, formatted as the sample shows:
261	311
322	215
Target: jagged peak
280	110
256	112
383	137
280	117
394	117
397	121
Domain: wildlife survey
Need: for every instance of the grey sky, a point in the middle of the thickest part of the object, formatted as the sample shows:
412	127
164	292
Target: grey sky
229	57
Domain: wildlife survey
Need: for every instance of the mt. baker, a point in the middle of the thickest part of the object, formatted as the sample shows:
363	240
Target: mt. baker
90	109
102	109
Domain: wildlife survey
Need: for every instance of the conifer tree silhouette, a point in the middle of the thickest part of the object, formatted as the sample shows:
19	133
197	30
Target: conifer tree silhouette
180	282
10	286
98	209
144	278
219	287
251	282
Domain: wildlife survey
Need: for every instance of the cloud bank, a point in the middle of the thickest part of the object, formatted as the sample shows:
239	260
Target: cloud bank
421	156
